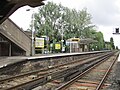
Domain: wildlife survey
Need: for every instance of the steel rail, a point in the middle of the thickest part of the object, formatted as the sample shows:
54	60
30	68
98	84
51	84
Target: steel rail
67	84
106	74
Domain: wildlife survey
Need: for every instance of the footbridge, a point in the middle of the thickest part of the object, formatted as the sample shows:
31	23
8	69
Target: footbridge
13	40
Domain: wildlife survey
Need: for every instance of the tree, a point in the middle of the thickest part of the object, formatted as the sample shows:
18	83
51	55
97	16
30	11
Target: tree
46	20
98	36
112	43
52	20
117	48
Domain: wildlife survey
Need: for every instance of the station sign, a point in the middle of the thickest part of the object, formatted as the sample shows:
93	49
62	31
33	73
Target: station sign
39	43
57	46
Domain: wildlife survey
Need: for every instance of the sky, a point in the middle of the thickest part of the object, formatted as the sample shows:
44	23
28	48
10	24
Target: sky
105	15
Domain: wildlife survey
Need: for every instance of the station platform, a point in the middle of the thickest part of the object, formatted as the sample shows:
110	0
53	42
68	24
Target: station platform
117	71
5	61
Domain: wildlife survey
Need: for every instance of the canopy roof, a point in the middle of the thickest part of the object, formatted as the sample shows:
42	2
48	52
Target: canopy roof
87	41
83	41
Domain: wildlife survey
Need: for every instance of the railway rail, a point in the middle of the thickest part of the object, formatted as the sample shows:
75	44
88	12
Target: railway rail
93	78
33	79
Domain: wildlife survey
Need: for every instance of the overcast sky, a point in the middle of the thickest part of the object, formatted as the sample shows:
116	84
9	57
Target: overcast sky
105	15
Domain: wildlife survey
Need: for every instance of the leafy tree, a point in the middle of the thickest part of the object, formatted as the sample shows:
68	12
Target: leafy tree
46	20
78	22
98	36
100	40
117	48
52	20
112	43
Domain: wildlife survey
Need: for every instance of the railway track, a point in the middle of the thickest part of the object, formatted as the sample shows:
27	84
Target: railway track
56	82
33	79
93	78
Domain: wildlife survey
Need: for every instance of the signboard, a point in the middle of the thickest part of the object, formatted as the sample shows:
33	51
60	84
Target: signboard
39	43
57	46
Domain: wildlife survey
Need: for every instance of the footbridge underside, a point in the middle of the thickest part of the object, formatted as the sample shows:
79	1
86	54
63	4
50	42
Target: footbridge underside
7	7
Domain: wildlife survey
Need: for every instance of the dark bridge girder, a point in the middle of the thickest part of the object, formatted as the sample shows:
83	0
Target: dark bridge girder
7	7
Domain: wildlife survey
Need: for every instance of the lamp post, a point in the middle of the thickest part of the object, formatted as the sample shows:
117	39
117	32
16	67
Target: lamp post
63	27
33	33
62	40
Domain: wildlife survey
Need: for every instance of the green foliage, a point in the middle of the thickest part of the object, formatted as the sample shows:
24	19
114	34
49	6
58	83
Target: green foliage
112	43
98	36
117	48
100	39
46	20
53	20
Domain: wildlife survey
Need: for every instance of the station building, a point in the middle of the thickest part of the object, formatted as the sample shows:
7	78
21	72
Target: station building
79	45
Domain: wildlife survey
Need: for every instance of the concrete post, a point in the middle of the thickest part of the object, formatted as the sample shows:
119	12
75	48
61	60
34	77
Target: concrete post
10	49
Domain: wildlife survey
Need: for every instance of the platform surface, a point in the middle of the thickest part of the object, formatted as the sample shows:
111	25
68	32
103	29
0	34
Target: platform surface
4	61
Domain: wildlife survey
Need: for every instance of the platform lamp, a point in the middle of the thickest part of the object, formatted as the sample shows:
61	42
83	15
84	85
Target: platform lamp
33	33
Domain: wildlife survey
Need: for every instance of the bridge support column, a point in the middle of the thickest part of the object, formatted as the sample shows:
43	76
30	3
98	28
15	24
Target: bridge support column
10	49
